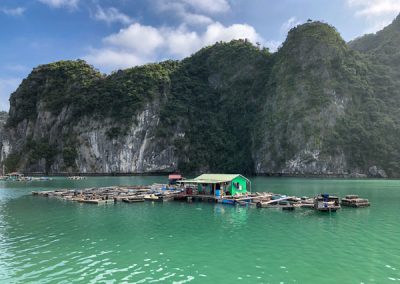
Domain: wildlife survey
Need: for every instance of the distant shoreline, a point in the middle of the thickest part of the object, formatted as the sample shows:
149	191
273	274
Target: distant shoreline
286	175
62	174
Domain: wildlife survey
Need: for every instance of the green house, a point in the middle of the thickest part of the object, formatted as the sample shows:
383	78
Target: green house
221	184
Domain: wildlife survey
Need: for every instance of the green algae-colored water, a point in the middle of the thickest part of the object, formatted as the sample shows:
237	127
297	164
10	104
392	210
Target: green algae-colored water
52	241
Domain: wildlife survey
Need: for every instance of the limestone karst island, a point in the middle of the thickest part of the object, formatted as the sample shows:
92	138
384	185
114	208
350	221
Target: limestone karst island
199	141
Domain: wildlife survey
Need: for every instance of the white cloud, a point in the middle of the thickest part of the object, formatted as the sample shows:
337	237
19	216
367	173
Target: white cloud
61	3
208	6
18	11
193	12
111	15
217	32
181	42
375	7
139	38
142	44
138	44
195	19
199	6
7	86
180	10
110	59
290	23
377	13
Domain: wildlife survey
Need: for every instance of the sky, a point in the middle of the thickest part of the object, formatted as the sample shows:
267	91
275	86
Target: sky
117	34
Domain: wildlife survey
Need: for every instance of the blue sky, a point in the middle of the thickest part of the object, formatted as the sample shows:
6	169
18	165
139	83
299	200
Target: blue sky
123	33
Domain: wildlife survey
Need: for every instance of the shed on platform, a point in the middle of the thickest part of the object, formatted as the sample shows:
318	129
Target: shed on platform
220	184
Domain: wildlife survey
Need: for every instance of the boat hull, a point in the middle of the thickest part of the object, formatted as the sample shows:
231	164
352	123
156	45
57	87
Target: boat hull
127	200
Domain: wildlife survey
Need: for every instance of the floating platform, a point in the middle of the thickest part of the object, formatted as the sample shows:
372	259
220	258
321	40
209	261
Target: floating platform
354	201
159	193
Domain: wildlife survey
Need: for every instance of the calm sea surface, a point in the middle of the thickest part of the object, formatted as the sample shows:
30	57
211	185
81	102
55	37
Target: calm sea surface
52	241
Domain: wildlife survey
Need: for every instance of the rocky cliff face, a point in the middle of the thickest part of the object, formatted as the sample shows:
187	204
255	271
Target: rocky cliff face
315	107
138	151
305	104
4	145
56	139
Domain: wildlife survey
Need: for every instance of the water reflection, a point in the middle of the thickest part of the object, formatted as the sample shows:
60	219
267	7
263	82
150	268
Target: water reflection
234	215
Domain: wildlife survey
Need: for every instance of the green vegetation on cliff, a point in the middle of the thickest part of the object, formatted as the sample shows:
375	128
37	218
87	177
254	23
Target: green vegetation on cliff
125	92
316	106
373	122
56	85
214	98
382	46
77	87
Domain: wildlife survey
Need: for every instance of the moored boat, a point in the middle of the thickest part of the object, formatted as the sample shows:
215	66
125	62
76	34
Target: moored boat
229	201
166	197
285	203
152	197
133	199
96	201
326	203
76	177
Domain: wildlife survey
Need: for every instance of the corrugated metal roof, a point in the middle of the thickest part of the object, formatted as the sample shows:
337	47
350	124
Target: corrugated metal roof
218	177
212	178
200	181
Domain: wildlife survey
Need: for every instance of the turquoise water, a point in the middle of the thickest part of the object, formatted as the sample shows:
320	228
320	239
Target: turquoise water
52	241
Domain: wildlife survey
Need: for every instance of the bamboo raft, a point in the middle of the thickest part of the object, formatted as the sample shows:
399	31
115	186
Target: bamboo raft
354	201
113	194
159	193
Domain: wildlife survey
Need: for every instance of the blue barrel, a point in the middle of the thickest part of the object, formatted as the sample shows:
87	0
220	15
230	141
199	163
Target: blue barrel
217	192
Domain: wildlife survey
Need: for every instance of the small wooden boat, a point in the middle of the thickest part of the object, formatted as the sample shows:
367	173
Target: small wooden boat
326	203
306	202
166	197
245	203
96	201
133	199
79	199
152	197
76	177
228	201
286	205
274	203
354	201
282	203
